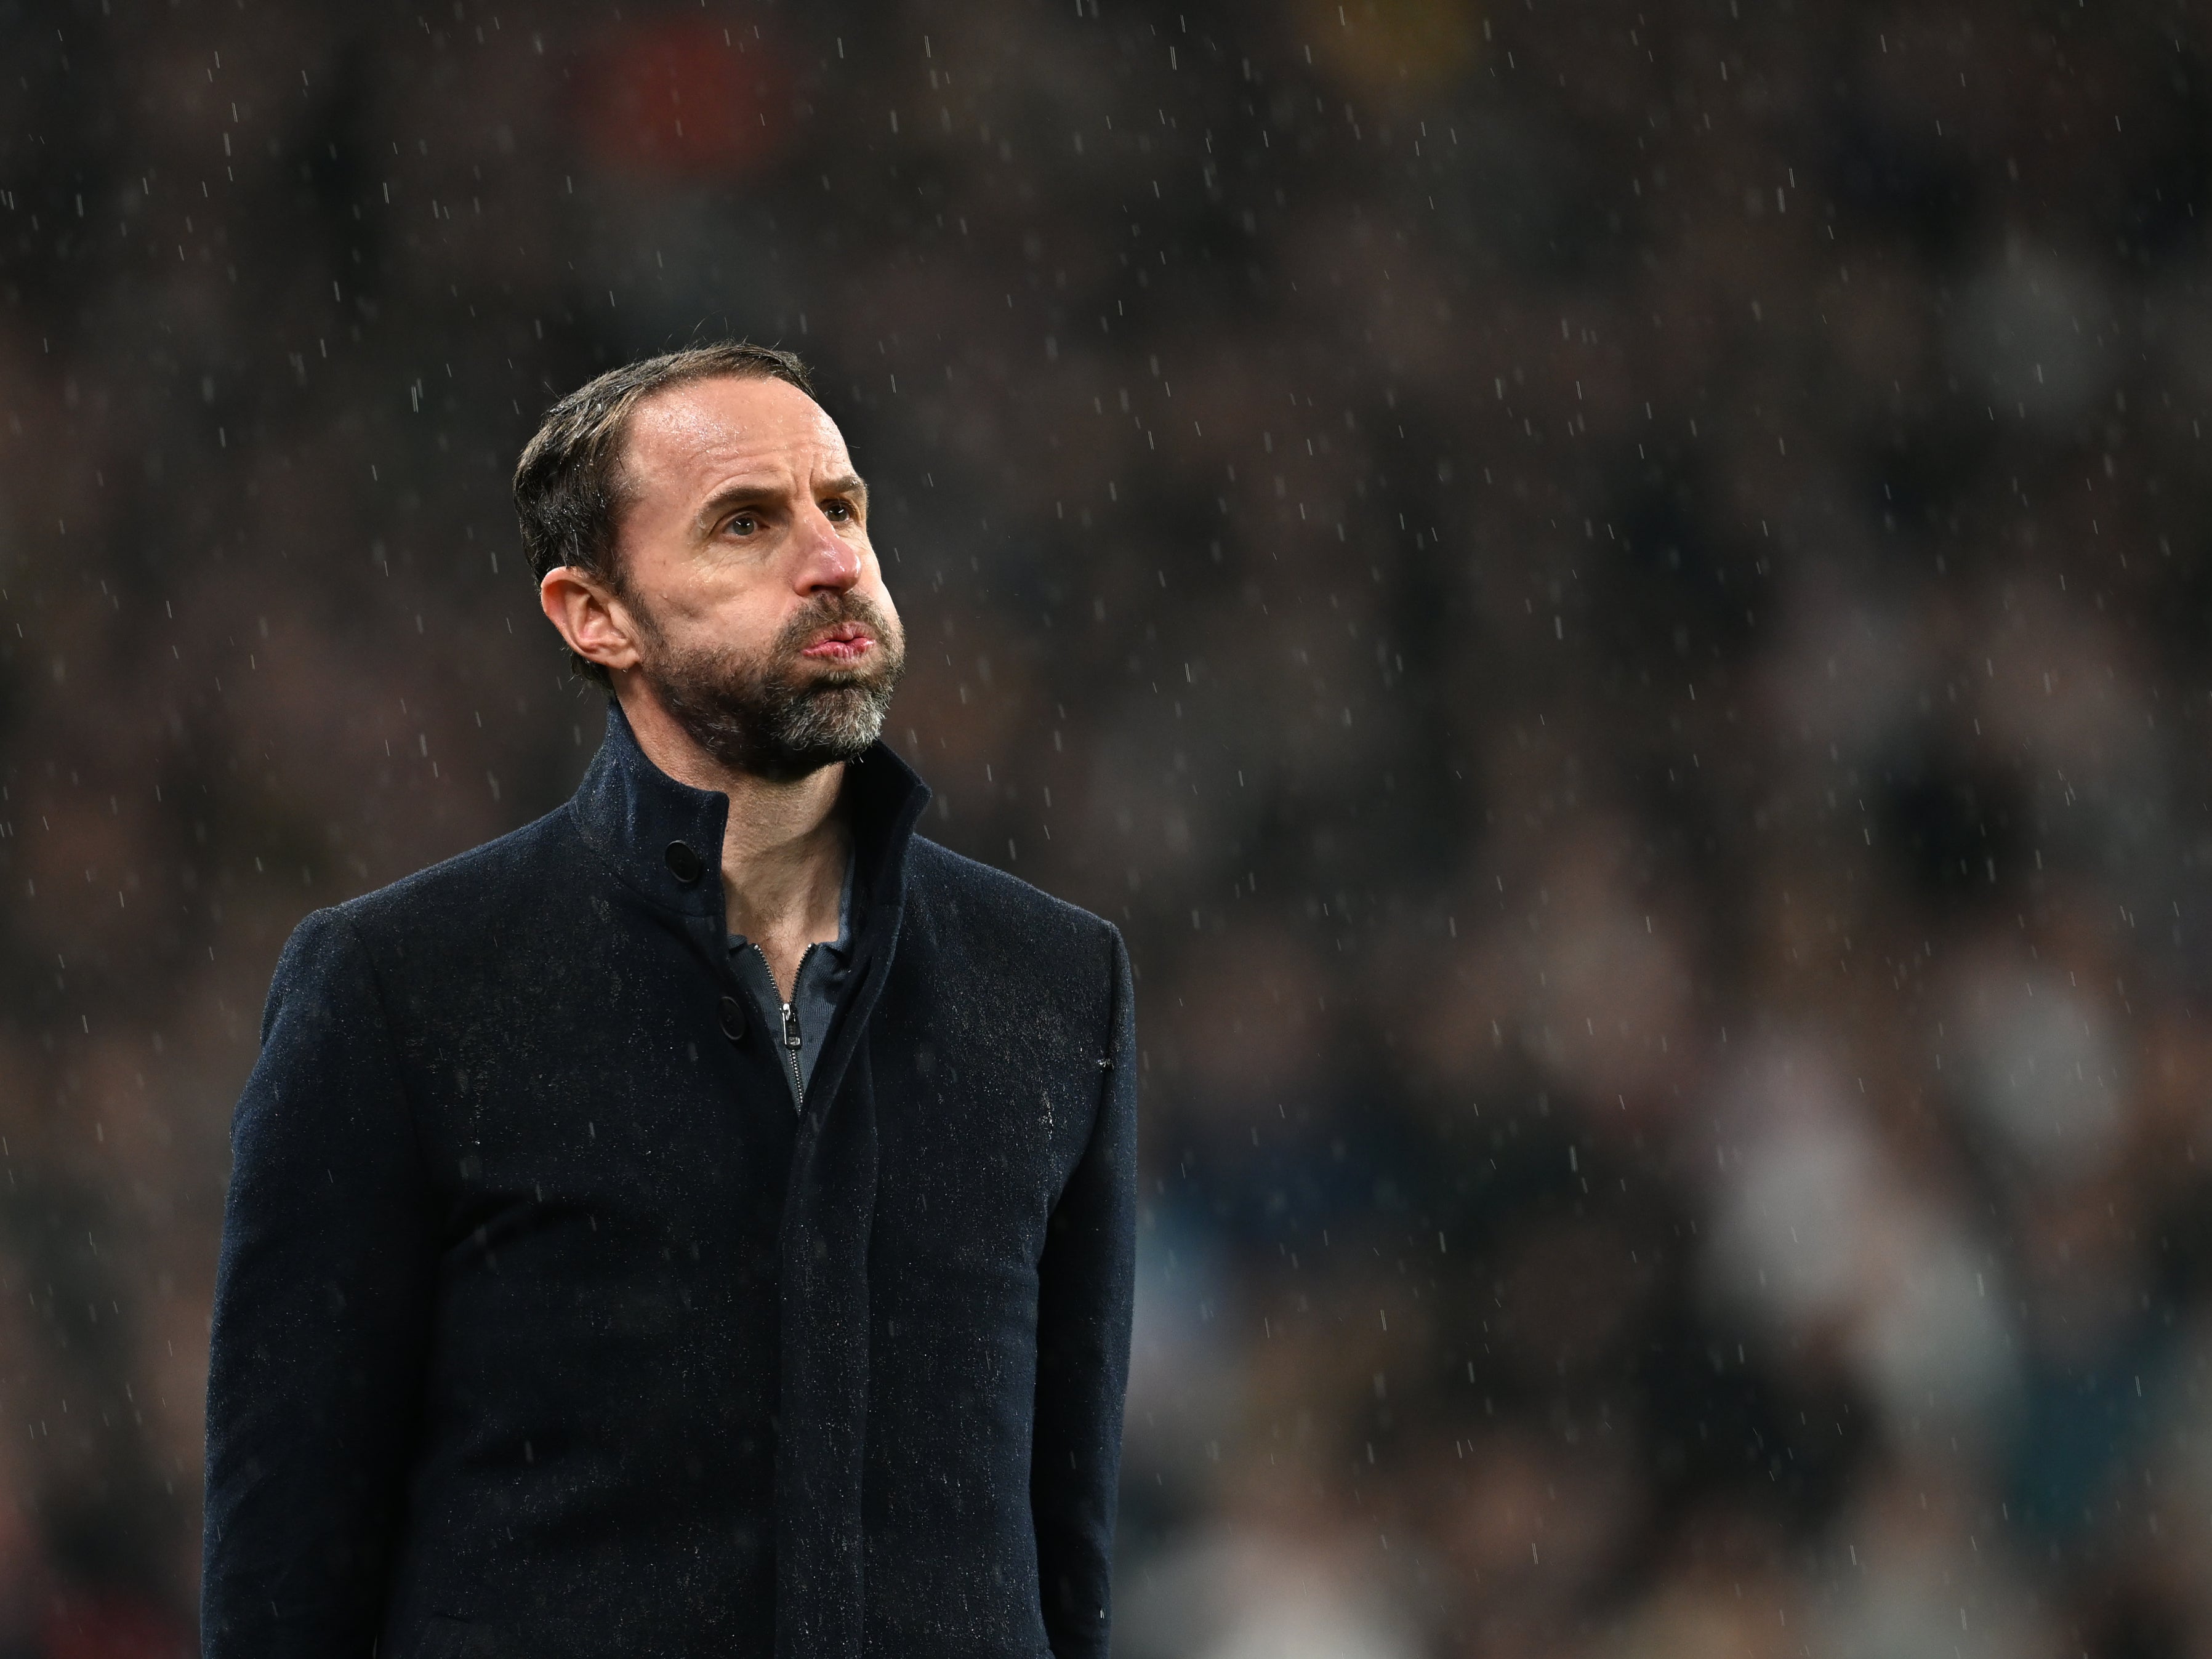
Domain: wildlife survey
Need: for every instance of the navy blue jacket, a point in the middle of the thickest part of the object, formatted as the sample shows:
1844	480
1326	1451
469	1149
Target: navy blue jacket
545	1327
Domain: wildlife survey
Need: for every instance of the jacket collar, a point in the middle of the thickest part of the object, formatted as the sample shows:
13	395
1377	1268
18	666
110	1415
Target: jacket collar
665	838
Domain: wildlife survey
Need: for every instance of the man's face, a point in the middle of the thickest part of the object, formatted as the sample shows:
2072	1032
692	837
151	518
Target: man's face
761	619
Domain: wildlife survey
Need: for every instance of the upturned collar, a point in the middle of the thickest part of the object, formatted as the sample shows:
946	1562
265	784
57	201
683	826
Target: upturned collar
665	838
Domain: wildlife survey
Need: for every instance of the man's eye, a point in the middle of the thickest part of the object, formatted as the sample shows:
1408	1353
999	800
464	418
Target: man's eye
838	511
743	524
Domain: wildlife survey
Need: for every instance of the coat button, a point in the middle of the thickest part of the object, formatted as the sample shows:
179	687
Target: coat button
734	1019
683	862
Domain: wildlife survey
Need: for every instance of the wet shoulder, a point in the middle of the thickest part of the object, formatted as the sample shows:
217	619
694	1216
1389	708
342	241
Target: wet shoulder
456	896
961	901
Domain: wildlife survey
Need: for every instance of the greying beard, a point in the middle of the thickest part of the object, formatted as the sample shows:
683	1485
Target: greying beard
767	716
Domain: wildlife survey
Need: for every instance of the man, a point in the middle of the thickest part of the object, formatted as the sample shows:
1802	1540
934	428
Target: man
699	1222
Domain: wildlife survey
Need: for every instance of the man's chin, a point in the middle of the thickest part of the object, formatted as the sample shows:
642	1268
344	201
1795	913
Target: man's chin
817	674
807	715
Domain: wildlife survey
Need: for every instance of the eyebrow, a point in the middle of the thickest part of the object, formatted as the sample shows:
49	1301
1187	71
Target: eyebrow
737	494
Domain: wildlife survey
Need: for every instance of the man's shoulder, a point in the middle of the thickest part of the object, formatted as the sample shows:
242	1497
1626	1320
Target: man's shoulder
440	919
453	895
955	890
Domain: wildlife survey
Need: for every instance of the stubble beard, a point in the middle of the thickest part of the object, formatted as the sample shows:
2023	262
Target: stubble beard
774	715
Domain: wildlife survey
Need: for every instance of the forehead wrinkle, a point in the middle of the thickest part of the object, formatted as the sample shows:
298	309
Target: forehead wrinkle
702	410
729	449
707	450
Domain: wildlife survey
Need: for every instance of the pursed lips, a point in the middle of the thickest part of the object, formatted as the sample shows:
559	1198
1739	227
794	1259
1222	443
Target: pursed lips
842	643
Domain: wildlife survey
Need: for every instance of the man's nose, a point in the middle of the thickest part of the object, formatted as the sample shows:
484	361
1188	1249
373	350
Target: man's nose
826	559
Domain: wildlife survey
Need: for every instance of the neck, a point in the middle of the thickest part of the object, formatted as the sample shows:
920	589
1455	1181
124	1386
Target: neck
785	846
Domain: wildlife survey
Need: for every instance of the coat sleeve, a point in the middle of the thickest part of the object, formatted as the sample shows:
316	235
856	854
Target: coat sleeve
321	1311
1084	1281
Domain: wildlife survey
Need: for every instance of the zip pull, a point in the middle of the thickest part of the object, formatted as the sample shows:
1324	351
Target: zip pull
791	1045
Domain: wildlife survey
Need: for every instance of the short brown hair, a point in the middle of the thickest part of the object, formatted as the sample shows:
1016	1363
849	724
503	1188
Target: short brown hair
568	492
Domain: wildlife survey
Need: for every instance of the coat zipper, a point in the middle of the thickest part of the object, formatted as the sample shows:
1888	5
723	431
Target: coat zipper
791	1038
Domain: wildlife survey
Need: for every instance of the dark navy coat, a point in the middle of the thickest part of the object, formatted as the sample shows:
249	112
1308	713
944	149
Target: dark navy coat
545	1327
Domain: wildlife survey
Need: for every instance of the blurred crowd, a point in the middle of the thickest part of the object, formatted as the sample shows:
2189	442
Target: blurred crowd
1615	600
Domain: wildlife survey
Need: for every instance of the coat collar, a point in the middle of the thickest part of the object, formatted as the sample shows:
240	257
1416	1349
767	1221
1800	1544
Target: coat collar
665	838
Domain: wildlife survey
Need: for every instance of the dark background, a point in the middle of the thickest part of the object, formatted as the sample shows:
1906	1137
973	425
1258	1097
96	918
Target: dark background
1614	599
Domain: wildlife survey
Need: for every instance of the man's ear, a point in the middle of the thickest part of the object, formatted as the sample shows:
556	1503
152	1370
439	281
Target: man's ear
597	625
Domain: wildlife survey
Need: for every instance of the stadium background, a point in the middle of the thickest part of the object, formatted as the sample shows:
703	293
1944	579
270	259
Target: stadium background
1614	597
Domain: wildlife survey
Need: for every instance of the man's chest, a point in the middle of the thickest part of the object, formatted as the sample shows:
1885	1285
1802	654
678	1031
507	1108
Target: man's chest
608	1121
